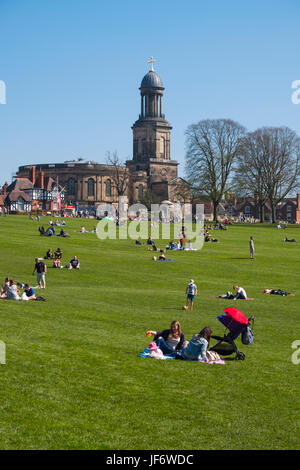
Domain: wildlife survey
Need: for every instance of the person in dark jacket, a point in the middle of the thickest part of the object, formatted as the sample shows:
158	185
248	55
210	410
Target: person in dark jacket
170	341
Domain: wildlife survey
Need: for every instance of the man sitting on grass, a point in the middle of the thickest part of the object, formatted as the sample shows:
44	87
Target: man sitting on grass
28	293
74	263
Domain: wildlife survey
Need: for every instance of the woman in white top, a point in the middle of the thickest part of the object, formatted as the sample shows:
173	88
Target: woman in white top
240	293
12	291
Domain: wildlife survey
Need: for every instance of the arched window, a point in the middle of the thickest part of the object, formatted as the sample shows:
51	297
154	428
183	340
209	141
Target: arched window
91	187
140	192
71	187
108	188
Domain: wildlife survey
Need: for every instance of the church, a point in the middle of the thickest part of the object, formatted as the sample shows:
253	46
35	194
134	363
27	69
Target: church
151	169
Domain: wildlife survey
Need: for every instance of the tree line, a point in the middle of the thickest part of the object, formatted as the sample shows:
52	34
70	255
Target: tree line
222	156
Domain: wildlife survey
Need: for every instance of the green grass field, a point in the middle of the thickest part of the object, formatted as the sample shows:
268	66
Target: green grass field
73	378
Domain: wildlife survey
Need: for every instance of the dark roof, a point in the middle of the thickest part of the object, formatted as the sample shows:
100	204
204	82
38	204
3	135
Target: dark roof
14	196
151	80
19	184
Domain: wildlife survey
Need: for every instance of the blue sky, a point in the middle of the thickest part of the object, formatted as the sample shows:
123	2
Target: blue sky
72	70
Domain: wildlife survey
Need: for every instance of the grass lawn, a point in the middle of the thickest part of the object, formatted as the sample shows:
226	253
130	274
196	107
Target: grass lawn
73	378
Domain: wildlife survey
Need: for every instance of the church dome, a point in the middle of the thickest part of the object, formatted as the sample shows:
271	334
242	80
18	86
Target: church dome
151	80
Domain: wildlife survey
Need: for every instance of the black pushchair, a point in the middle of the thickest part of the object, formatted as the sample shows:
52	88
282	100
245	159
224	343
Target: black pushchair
237	324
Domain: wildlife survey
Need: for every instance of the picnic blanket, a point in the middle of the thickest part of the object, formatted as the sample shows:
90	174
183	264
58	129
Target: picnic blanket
146	353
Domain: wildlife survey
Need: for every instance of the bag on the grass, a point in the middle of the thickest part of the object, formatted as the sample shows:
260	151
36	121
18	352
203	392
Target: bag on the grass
247	336
40	298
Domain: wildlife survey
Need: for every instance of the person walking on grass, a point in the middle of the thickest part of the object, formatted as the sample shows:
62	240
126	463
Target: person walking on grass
252	250
191	291
41	270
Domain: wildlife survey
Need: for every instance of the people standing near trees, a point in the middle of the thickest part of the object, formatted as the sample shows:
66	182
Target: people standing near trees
252	249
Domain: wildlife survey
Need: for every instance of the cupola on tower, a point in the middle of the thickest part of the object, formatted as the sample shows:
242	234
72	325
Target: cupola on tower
151	134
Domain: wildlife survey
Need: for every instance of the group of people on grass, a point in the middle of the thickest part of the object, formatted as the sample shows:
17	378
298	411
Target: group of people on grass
171	342
57	257
84	230
11	290
50	232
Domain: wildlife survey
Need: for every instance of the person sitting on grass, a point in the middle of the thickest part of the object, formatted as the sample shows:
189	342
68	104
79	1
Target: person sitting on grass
49	232
12	291
170	341
63	234
49	254
74	263
28	293
240	293
3	294
57	258
42	231
162	255
195	350
155	352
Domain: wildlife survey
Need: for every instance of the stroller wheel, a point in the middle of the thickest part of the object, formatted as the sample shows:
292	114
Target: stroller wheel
240	356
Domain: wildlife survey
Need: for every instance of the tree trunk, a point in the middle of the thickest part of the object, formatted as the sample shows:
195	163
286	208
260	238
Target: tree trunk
273	212
216	211
261	212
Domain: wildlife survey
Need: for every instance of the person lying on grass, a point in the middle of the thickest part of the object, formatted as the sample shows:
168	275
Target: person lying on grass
169	341
289	240
277	292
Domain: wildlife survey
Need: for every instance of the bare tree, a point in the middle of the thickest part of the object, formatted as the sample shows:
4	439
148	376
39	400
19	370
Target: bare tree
212	149
149	198
249	174
182	191
120	172
280	149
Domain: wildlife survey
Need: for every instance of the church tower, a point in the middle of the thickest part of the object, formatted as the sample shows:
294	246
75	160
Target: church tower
151	137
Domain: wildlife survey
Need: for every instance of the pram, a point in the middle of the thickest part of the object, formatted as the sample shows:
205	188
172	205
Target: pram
236	322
